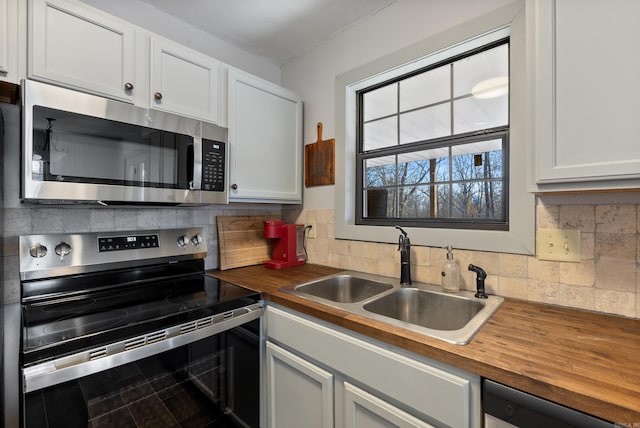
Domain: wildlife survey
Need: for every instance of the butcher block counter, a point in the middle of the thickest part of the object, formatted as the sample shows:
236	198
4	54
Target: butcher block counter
584	360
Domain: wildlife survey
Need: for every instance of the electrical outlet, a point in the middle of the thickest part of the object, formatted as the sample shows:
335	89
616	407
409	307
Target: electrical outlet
312	233
558	244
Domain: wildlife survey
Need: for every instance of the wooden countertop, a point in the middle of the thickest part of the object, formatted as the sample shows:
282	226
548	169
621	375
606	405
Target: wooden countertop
584	360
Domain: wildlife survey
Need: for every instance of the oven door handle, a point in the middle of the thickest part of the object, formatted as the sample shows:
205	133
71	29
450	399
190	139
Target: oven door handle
59	370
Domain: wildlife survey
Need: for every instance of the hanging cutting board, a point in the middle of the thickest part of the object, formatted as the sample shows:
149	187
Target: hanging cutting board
319	161
241	240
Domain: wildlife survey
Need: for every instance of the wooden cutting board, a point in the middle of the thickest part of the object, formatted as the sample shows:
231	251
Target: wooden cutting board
319	161
241	240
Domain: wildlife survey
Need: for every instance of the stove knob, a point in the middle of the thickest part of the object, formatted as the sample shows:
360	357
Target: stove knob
38	250
196	239
183	241
62	249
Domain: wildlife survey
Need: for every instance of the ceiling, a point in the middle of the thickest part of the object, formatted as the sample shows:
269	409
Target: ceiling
278	30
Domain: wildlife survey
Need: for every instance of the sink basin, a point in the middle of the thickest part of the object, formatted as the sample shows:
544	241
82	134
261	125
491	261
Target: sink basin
344	288
426	309
422	308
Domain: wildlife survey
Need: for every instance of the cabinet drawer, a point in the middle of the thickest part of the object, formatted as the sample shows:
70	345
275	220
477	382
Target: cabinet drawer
444	393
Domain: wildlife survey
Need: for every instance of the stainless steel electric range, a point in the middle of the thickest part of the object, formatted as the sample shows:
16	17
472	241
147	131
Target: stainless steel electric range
126	329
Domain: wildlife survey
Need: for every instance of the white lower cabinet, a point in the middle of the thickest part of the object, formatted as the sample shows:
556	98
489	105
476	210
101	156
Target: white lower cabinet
364	410
300	393
318	375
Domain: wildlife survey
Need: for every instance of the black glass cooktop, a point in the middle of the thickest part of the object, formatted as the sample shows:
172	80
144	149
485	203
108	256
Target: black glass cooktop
59	325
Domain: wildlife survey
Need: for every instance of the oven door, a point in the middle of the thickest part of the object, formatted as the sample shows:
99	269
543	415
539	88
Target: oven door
211	382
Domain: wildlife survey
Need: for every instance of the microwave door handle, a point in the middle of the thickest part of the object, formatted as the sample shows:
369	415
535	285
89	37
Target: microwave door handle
190	165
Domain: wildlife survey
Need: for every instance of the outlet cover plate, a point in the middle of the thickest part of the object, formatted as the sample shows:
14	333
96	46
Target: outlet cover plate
313	233
558	244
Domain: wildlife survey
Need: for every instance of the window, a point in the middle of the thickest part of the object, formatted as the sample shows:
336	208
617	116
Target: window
433	144
436	50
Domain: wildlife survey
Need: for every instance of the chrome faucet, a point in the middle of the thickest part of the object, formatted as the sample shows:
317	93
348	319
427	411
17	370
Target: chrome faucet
481	275
404	246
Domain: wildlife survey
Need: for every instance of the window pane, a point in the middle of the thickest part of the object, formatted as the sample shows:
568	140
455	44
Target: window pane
478	160
478	200
423	201
381	102
423	167
379	203
380	133
380	172
426	88
425	124
473	114
490	64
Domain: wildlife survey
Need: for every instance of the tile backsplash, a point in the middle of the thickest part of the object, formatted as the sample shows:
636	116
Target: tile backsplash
605	280
44	220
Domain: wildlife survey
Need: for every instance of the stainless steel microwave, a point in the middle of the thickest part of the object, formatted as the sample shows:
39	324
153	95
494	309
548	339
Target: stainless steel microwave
80	148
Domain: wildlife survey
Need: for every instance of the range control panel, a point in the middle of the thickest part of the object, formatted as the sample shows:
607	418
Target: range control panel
43	256
132	242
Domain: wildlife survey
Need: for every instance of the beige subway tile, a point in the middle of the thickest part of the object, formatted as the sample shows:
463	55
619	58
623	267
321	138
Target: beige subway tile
579	297
583	273
421	274
324	216
587	245
619	275
490	262
420	256
512	287
619	246
543	270
547	216
616	302
616	218
544	291
580	217
513	265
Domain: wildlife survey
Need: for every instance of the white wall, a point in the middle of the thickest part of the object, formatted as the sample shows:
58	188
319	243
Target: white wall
145	16
393	28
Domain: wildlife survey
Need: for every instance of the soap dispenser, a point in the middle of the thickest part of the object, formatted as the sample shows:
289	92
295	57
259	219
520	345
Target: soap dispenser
450	273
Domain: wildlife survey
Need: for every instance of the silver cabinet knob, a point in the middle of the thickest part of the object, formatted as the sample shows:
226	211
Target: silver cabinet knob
128	86
182	241
62	249
38	250
157	96
234	186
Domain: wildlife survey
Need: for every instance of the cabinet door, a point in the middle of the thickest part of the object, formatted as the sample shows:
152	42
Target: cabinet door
586	112
82	48
4	37
265	141
184	81
364	410
300	394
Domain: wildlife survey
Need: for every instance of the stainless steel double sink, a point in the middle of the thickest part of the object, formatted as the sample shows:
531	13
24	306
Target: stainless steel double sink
423	308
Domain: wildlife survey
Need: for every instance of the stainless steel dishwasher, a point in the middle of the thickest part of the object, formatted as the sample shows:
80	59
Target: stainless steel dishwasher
505	407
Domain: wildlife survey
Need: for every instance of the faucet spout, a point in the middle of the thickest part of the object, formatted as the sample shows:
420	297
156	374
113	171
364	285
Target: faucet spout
481	275
404	246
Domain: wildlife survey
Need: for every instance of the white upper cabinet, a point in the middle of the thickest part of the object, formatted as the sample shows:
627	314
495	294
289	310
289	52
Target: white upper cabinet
184	81
265	141
12	39
586	108
82	48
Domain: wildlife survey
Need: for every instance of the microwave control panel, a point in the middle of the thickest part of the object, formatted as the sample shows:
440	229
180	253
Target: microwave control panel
213	165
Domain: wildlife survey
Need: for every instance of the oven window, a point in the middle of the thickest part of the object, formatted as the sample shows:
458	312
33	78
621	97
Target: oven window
209	383
77	148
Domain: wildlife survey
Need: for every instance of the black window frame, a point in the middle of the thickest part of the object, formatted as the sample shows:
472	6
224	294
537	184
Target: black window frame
501	132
